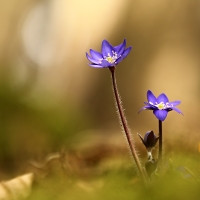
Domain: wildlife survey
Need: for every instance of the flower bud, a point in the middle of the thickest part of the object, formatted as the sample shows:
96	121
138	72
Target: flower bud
149	140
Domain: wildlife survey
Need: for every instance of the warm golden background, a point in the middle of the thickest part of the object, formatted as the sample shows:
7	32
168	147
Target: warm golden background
51	99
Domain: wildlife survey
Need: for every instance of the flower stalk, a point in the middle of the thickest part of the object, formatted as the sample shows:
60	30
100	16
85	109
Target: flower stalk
160	143
125	126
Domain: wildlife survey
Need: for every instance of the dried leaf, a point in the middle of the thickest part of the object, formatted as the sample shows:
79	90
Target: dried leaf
19	187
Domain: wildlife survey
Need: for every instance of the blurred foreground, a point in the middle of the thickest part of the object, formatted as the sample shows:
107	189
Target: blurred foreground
104	170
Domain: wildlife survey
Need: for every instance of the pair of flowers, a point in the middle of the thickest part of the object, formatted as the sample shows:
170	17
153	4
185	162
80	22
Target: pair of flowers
110	56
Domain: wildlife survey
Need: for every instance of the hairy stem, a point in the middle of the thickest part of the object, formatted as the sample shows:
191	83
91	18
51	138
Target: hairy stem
160	143
125	125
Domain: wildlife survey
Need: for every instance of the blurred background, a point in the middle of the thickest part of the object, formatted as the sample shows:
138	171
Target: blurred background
51	99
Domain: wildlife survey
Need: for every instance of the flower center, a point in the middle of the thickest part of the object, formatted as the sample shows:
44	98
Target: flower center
161	106
111	59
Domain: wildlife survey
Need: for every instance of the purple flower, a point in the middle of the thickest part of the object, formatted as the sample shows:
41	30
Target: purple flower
160	106
149	140
109	56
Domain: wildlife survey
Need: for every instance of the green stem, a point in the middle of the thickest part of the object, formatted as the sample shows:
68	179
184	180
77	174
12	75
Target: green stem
125	126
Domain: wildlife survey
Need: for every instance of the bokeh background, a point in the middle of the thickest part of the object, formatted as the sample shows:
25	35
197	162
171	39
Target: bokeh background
51	99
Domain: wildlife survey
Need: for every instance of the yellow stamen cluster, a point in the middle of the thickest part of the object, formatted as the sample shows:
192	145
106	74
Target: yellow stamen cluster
161	106
111	59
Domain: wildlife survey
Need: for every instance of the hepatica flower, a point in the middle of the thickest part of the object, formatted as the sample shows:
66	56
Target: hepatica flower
110	55
149	140
160	106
